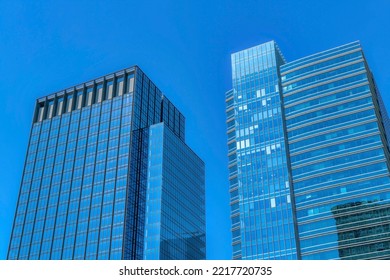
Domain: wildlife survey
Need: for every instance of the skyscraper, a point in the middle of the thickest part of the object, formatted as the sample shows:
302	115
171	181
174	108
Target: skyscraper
108	176
308	156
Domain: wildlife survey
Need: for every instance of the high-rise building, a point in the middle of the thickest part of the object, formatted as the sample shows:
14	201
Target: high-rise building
108	176
308	156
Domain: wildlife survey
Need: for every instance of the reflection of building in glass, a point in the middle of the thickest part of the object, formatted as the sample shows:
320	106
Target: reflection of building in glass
363	229
261	209
192	244
303	138
108	175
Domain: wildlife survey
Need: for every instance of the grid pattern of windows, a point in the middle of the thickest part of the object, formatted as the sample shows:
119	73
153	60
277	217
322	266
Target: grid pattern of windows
84	95
175	228
76	171
83	189
336	128
261	206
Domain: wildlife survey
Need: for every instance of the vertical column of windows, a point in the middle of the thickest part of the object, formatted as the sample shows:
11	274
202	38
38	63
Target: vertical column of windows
48	186
106	214
73	165
87	190
58	200
118	237
111	175
34	196
20	217
260	159
94	159
79	193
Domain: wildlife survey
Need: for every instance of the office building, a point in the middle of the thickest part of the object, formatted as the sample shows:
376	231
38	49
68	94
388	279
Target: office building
308	155
108	176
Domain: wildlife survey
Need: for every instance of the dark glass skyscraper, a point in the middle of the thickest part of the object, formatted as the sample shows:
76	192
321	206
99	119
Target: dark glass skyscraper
309	156
108	176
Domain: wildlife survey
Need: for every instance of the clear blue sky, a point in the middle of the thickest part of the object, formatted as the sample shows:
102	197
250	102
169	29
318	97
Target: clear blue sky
184	47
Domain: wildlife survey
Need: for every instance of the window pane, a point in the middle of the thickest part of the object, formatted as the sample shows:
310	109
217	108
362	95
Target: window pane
109	89
40	112
60	105
99	92
89	96
69	103
50	109
119	86
79	102
130	83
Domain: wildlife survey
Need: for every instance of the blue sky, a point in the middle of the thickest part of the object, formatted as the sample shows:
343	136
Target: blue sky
184	47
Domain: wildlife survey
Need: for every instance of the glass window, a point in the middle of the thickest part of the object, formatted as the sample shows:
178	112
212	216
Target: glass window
60	105
69	102
50	109
99	93
41	111
89	96
79	102
130	83
109	89
119	86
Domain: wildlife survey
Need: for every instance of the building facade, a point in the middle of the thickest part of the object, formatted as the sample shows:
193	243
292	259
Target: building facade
321	120
108	176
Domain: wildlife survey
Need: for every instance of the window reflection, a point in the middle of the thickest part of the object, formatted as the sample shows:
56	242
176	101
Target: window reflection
89	96
130	83
60	105
50	109
69	104
99	93
79	101
109	89
119	86
41	111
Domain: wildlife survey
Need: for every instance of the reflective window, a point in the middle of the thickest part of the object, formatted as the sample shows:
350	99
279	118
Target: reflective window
119	86
41	111
69	102
99	93
60	106
89	96
109	89
79	101
130	82
50	109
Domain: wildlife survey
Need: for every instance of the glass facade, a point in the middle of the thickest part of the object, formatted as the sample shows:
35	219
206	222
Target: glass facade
174	171
84	185
335	129
261	208
339	155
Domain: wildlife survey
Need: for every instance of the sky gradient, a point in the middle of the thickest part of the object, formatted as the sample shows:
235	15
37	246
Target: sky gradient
184	47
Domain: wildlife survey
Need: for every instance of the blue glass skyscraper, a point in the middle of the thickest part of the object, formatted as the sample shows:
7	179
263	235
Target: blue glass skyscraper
108	176
336	132
261	208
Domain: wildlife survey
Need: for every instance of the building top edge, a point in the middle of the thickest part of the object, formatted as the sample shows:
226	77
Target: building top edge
91	82
300	61
272	42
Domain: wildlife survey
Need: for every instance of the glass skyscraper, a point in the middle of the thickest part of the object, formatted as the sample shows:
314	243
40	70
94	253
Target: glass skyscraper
108	176
308	156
